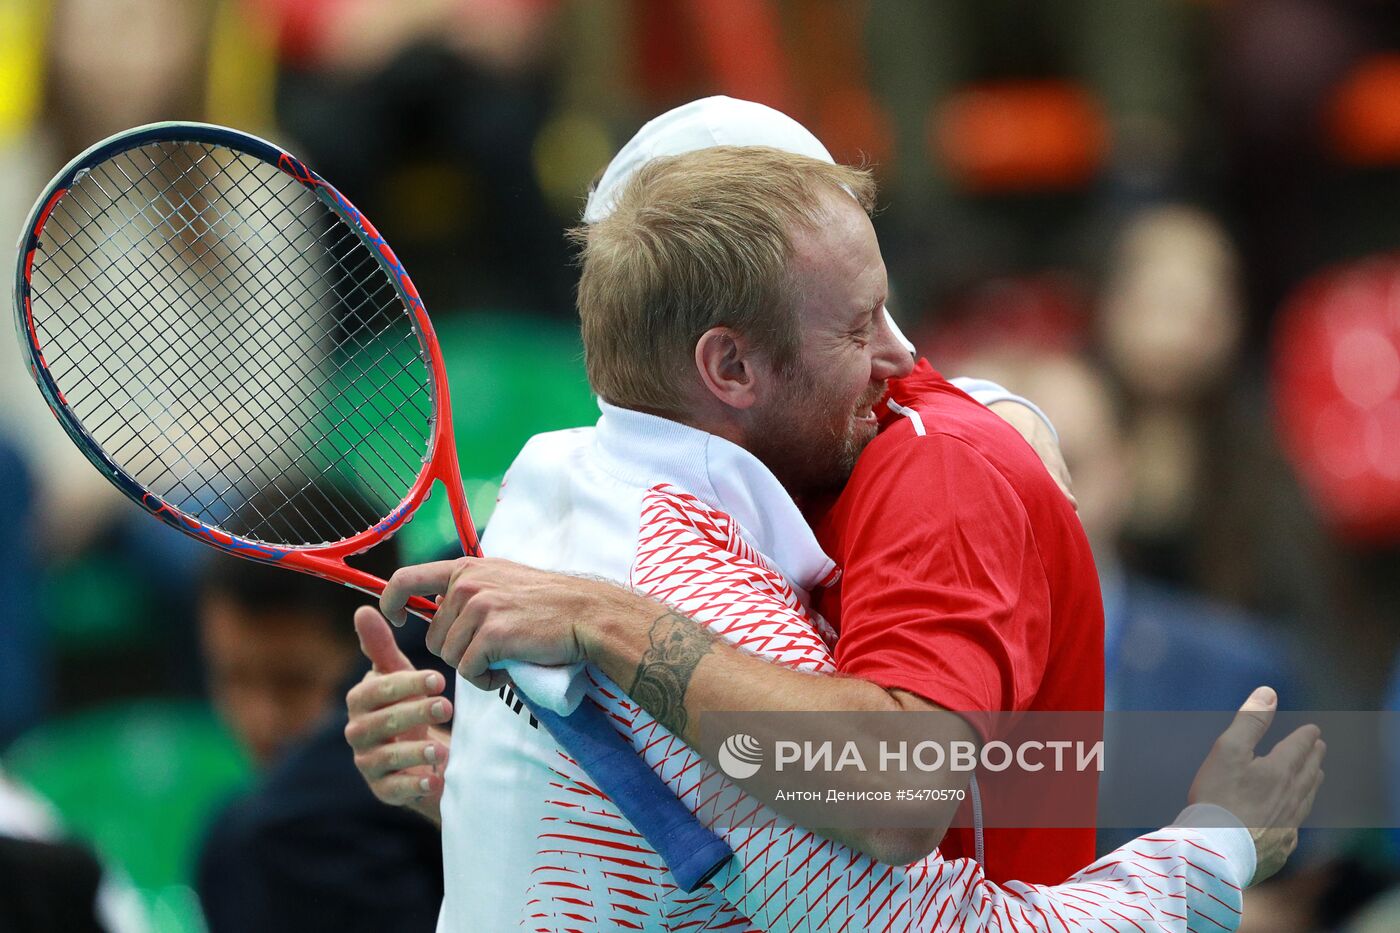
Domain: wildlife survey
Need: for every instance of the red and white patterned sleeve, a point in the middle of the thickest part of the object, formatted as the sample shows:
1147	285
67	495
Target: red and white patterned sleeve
785	878
1176	879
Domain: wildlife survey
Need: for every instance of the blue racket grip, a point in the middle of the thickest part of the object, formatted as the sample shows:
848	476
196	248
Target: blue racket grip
693	853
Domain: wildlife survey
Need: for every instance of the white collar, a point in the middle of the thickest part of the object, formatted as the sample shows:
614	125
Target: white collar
647	450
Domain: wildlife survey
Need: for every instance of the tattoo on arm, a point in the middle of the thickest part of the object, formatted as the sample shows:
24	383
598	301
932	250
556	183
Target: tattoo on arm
677	646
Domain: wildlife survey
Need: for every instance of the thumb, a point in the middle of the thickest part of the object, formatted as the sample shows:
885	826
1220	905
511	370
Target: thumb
377	642
1253	719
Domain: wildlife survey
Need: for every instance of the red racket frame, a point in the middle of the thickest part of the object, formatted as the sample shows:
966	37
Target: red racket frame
327	561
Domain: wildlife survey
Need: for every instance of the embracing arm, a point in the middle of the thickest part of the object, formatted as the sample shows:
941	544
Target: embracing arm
1177	879
677	669
673	667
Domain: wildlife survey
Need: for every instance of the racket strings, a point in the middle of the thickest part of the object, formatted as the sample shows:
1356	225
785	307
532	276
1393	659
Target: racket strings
231	343
346	235
157	454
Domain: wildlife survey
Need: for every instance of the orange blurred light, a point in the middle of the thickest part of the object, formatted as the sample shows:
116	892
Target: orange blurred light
1020	136
1363	115
855	127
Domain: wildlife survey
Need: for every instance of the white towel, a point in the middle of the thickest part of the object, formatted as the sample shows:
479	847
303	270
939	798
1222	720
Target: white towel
557	689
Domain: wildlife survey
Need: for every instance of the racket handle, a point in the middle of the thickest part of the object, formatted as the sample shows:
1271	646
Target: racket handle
692	852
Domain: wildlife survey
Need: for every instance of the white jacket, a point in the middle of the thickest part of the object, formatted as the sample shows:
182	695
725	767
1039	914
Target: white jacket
699	523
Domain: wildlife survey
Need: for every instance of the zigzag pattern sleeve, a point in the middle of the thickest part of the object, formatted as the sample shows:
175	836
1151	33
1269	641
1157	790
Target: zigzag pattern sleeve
785	878
790	880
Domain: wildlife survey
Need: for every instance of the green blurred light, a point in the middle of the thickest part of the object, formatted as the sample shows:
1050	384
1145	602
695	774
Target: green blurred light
139	781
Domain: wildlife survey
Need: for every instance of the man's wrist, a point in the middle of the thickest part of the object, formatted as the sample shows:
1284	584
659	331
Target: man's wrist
647	649
1226	834
611	631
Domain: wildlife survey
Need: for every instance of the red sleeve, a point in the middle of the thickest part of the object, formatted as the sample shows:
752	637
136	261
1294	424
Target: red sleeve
943	593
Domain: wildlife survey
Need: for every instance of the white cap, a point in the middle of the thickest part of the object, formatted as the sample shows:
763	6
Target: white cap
701	124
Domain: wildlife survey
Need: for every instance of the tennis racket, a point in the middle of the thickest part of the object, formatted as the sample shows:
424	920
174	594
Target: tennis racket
237	349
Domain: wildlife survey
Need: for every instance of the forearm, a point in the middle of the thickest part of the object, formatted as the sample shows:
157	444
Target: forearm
677	670
1176	880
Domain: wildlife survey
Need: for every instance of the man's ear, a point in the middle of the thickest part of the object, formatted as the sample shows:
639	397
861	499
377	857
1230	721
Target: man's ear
725	362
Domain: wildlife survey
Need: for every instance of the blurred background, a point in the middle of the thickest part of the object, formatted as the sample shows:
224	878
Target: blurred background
1175	224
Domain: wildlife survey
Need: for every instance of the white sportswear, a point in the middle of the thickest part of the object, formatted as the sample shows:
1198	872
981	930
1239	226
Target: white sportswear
699	523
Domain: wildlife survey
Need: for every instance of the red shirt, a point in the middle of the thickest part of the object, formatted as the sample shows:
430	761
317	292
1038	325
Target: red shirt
968	581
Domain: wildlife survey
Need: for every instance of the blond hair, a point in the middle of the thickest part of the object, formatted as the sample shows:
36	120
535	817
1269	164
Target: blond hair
696	241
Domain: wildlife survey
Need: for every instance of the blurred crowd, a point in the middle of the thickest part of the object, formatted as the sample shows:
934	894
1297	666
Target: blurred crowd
1170	223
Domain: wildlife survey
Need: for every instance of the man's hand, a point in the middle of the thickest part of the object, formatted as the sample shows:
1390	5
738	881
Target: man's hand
1042	440
1270	795
494	610
395	711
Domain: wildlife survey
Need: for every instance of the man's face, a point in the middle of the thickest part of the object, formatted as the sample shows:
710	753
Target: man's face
811	425
271	675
